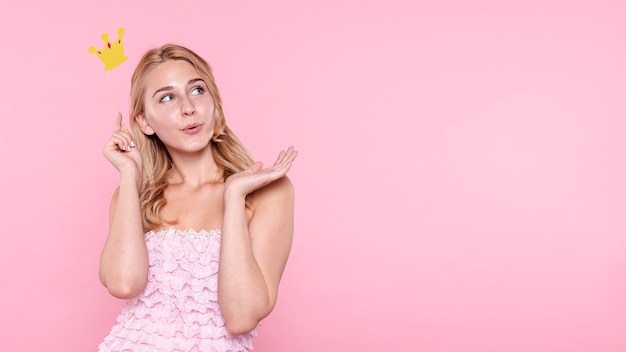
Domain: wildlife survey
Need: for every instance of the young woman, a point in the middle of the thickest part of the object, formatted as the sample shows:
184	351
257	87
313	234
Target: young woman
199	233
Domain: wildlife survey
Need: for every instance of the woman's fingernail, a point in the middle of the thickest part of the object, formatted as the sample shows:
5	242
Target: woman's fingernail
132	144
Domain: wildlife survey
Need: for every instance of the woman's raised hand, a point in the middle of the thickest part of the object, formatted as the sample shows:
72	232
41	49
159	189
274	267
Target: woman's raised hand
255	177
120	149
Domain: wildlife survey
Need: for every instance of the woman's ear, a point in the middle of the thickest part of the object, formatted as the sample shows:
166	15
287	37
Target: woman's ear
141	121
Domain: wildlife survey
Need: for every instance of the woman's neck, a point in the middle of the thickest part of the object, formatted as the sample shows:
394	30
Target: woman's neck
195	169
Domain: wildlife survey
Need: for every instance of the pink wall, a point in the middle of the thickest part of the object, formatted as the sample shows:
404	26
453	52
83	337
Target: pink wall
461	184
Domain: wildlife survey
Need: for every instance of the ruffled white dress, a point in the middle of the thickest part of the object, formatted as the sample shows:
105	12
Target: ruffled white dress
178	311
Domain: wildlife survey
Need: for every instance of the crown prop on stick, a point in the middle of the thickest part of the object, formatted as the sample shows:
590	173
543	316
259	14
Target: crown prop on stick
111	55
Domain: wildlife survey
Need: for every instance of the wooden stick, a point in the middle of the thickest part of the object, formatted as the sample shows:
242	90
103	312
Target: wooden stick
113	92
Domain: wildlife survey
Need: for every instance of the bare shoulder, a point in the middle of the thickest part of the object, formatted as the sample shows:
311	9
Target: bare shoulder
277	193
272	212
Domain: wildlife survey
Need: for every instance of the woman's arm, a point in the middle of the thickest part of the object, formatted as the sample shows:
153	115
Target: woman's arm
124	258
254	254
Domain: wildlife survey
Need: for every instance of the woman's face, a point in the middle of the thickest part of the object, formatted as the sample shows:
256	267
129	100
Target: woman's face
178	107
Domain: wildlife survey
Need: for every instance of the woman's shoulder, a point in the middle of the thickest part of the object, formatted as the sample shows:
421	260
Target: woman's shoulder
281	186
279	191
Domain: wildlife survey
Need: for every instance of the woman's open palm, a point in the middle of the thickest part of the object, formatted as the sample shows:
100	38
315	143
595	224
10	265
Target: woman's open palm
255	177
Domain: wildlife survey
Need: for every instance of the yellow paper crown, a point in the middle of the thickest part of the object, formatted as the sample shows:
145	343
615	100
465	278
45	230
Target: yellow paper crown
112	55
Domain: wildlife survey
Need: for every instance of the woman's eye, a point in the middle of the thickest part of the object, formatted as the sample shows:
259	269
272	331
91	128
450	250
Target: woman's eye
197	90
166	98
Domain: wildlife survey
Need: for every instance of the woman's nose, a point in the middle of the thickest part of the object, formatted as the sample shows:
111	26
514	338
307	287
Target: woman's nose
187	108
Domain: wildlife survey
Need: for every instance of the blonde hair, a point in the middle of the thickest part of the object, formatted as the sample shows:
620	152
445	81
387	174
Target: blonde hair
229	153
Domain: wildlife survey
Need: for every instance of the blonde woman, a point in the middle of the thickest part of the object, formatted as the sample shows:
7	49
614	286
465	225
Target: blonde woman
199	233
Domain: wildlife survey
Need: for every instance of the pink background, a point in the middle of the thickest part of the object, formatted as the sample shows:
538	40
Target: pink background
461	184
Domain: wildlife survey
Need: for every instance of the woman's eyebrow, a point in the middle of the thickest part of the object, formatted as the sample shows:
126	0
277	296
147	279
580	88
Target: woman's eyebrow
192	81
166	88
162	89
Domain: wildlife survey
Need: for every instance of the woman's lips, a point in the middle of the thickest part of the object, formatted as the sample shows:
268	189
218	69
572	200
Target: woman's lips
192	129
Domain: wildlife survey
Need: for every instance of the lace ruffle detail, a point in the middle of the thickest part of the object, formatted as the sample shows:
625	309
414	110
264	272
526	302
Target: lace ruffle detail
178	310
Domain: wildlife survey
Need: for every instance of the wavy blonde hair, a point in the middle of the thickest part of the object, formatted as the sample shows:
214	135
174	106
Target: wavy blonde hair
229	153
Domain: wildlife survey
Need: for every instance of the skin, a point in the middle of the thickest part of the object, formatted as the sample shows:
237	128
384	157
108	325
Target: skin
255	242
